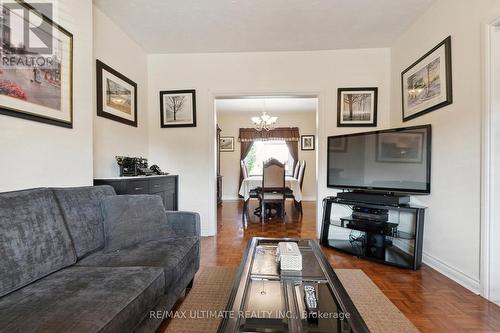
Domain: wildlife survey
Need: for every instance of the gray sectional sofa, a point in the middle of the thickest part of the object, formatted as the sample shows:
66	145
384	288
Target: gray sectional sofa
86	260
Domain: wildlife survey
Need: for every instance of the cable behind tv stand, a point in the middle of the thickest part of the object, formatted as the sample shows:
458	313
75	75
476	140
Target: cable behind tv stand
396	240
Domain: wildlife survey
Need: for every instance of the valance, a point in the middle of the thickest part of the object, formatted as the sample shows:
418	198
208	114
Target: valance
279	133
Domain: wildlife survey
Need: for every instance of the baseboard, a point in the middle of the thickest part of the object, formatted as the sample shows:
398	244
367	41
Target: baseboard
451	272
230	198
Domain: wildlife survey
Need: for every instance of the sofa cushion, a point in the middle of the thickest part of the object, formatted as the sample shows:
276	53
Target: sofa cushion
173	255
34	241
83	299
132	219
81	209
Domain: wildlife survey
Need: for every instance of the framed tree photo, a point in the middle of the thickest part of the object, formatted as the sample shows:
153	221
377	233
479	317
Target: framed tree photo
427	84
357	107
36	78
307	142
116	95
178	108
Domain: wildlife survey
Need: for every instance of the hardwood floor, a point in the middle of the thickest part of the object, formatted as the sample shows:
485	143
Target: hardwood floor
430	300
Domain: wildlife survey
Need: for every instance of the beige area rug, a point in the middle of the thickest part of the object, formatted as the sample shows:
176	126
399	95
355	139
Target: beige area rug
213	285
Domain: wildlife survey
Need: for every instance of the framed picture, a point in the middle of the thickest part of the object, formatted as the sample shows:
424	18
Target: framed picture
307	142
357	107
226	143
338	145
36	81
427	84
178	108
400	147
116	95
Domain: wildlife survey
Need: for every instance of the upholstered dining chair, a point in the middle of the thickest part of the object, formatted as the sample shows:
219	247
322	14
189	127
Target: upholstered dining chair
254	193
244	169
273	187
296	170
300	178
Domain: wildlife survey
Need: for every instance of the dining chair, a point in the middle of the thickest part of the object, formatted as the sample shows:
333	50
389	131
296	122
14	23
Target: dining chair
253	193
300	179
244	169
296	170
273	187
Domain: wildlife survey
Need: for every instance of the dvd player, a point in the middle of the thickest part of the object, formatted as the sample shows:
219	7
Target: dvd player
371	214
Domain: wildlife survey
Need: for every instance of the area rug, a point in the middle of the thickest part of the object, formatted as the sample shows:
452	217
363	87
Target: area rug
213	285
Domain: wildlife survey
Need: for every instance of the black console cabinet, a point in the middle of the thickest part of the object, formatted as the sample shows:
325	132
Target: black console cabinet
164	186
396	242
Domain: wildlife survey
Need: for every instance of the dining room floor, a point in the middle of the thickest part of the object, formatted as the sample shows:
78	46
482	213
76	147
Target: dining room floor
433	302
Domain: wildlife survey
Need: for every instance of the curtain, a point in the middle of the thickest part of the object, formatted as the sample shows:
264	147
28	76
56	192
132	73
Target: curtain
290	135
245	149
293	147
280	133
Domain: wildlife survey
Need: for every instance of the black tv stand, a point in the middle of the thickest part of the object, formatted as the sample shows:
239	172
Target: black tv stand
386	198
397	241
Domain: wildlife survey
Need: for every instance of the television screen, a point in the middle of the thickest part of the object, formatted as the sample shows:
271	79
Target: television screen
396	160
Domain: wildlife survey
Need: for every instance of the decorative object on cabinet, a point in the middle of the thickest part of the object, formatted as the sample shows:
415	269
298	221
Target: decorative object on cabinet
133	166
357	107
41	92
178	108
226	143
116	95
427	84
167	187
307	142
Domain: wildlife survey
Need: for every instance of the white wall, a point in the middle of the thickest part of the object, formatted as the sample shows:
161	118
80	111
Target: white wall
230	123
112	138
34	154
190	152
452	229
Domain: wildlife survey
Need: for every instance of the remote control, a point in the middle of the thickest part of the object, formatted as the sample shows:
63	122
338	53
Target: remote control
311	302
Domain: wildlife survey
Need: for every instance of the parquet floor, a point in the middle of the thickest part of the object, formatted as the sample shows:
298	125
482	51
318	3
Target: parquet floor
431	301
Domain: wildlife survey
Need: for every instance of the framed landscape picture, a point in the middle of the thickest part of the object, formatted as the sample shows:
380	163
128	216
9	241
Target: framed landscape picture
178	108
357	107
116	95
226	143
307	142
36	79
427	83
400	147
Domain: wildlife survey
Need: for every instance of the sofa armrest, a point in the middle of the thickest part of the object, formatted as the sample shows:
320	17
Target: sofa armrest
184	223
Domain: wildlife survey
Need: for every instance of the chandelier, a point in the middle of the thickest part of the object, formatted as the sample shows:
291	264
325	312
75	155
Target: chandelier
264	122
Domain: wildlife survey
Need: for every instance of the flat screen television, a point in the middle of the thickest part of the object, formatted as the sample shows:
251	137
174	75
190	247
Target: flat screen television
395	160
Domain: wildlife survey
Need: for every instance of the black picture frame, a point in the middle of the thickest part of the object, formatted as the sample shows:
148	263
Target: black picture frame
353	123
163	120
31	115
446	43
302	146
100	68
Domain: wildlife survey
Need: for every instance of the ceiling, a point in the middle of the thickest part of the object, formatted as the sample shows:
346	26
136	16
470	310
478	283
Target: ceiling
270	105
197	26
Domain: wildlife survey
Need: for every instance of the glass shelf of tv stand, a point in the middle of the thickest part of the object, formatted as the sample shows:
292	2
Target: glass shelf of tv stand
388	229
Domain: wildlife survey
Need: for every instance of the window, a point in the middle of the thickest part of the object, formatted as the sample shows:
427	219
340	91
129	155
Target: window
261	151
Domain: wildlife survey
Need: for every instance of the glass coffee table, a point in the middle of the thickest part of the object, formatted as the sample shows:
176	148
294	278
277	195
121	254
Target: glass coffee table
265	299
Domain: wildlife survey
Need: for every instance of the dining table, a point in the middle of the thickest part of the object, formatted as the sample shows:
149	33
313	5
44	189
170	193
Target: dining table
253	182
